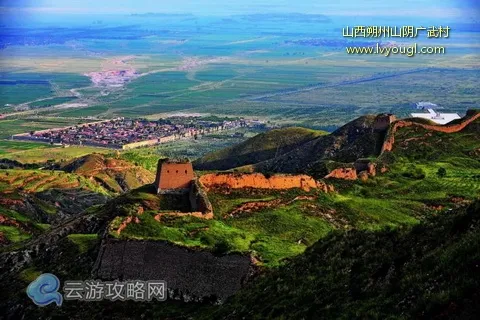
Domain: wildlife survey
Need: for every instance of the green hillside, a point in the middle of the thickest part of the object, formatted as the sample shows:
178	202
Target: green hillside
259	148
429	271
33	199
356	139
113	174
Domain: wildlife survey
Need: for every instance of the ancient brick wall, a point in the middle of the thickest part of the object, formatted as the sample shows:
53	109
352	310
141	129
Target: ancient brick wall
390	140
139	144
258	180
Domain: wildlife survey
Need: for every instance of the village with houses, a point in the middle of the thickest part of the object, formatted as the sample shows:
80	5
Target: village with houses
123	133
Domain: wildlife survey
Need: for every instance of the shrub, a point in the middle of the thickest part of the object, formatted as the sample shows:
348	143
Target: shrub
414	173
207	239
442	172
222	247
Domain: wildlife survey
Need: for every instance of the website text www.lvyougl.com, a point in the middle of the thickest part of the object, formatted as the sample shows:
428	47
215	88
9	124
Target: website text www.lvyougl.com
409	51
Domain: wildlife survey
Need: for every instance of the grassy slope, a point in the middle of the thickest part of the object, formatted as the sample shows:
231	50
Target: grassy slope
31	199
416	149
259	148
33	181
272	233
39	153
36	197
390	200
428	271
354	140
115	175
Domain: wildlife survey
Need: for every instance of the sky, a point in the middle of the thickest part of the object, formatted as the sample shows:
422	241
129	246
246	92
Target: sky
451	9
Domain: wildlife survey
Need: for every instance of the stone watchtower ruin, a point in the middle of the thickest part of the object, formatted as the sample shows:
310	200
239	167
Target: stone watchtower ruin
174	176
176	180
383	121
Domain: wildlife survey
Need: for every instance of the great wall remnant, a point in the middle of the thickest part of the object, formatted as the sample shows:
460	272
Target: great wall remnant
190	274
363	168
259	181
345	173
448	128
173	175
177	177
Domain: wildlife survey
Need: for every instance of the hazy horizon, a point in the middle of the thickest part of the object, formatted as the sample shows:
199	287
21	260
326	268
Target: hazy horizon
464	10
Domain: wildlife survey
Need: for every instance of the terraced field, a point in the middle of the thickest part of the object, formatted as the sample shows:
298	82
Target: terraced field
36	181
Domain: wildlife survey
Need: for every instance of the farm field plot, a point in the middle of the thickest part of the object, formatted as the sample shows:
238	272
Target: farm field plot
43	152
51	101
17	88
8	147
455	90
9	127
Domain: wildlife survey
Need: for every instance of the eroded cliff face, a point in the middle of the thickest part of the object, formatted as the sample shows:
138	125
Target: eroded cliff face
258	180
390	140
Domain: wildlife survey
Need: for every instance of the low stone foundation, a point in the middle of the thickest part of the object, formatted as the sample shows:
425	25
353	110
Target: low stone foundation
190	275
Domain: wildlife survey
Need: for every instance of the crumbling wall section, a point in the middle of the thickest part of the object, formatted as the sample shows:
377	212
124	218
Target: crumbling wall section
390	139
258	180
346	173
199	198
